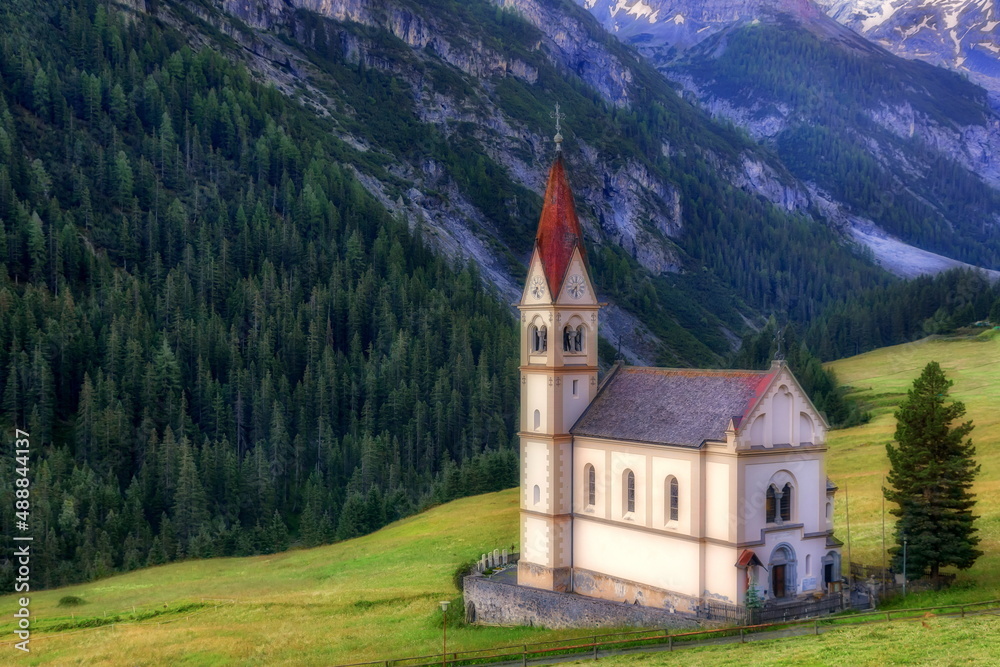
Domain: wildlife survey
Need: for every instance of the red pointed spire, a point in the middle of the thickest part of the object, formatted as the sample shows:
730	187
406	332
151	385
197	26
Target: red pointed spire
558	228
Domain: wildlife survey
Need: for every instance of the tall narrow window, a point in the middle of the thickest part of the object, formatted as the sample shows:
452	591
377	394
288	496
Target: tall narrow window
567	338
769	505
578	339
786	503
591	486
629	491
537	495
538	338
576	387
538	420
674	493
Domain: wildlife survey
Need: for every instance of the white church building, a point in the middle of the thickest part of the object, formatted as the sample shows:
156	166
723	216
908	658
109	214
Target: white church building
658	486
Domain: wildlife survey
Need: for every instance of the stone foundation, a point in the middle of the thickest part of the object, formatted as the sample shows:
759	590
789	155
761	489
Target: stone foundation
547	578
499	601
597	585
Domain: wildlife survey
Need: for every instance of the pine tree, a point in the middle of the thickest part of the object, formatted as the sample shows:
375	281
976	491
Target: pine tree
352	517
932	472
995	312
189	500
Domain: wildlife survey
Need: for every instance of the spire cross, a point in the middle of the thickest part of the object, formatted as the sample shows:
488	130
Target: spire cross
779	340
558	116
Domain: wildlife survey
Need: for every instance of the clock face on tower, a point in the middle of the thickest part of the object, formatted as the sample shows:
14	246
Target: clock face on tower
576	286
537	287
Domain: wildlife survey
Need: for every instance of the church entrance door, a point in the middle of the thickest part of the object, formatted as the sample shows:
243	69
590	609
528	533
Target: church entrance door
827	574
778	583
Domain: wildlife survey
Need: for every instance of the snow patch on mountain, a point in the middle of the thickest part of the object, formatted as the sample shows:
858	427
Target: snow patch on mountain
957	34
883	13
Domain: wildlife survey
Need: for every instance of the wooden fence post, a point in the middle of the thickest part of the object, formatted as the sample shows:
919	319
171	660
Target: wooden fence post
595	648
742	640
670	643
524	656
816	626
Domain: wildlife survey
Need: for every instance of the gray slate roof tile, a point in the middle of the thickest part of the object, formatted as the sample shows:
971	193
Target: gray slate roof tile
670	406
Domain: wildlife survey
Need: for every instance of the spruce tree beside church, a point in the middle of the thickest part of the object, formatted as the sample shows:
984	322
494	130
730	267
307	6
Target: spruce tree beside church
930	480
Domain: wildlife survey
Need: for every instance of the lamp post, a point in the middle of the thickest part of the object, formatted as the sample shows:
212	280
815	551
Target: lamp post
444	638
904	565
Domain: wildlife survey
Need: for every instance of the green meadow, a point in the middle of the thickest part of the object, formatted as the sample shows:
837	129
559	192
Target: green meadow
923	642
857	460
376	597
364	599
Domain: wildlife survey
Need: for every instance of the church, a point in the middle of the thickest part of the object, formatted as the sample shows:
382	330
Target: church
658	486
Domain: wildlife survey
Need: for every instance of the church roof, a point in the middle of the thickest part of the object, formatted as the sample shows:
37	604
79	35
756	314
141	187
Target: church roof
671	406
558	227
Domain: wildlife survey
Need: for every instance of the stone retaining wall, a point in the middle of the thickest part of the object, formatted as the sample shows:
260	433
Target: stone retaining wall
492	601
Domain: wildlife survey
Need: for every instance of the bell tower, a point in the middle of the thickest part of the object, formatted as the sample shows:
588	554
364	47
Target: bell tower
558	381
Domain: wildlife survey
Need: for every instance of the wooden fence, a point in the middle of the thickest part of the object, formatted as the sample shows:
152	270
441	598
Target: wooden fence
591	646
772	612
862	572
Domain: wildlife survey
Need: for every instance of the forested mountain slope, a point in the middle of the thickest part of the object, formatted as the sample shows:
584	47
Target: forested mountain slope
212	332
454	125
889	149
235	306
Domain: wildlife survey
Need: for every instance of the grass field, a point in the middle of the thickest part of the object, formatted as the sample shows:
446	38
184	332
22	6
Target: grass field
857	459
931	642
369	598
376	597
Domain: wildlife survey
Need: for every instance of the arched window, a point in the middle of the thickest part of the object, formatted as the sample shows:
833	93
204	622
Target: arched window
538	419
538	338
537	496
573	338
769	505
786	502
591	485
629	491
809	566
673	498
829	510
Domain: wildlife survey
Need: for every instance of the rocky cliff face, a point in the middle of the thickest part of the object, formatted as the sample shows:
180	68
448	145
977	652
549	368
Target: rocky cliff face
415	31
684	23
471	113
628	205
621	203
958	34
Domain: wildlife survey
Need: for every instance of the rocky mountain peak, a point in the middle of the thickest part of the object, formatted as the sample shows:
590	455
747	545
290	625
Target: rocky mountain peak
958	34
683	23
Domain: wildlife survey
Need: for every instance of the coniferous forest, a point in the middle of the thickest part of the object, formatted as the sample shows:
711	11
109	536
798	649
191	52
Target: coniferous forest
221	339
222	344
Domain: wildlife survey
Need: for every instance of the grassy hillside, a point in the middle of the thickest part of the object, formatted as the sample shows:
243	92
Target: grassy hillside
857	459
363	599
